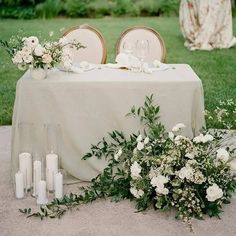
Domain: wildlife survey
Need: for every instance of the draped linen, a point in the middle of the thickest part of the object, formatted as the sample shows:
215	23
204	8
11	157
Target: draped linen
90	104
206	24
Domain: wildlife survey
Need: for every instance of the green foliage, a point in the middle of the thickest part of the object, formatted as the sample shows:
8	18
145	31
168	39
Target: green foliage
153	169
18	12
49	8
90	8
77	8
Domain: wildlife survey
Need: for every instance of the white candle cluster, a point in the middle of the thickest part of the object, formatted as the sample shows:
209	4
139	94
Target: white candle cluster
30	175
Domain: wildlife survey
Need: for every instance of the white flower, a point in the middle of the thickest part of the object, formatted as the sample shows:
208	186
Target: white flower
27	58
17	59
198	139
159	181
208	138
189	155
39	50
203	138
140	146
186	172
146	140
135	170
171	135
139	138
163	190
118	154
178	127
47	59
26	50
136	193
214	193
222	154
31	42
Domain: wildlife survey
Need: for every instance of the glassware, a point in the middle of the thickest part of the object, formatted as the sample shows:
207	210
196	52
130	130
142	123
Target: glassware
142	49
128	47
24	158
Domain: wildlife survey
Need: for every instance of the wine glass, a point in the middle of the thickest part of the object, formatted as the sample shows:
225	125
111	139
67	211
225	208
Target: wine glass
142	50
127	47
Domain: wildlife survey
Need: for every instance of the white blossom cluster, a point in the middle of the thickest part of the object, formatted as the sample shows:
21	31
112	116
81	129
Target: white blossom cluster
36	55
173	173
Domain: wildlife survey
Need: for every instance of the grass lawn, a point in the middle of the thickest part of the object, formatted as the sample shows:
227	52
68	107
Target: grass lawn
217	69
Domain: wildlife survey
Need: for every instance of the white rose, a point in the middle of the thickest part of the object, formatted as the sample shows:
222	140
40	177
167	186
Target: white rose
159	181
31	42
17	59
135	170
47	59
189	155
139	138
140	146
209	137
198	139
222	154
171	135
186	172
27	58
146	140
163	191
26	50
39	50
136	193
140	192
214	193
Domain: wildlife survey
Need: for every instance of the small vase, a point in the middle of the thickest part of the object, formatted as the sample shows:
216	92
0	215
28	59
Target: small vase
38	73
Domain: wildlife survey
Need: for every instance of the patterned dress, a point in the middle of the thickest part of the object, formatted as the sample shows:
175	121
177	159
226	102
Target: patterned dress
206	24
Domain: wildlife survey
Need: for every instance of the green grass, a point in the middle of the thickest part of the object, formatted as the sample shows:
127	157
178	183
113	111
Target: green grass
217	69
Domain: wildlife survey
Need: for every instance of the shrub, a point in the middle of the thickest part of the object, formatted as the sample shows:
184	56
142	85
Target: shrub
77	8
49	9
18	12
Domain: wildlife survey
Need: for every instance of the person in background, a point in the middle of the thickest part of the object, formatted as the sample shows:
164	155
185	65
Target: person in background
206	24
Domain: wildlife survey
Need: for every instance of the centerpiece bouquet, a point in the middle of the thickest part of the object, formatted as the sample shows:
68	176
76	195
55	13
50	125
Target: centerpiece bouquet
29	52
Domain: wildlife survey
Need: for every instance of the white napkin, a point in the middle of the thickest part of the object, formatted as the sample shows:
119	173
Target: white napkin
128	61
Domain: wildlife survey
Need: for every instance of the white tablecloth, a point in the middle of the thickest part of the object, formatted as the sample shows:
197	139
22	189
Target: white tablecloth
90	104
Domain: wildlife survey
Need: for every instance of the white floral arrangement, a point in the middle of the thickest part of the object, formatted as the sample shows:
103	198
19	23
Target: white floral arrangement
29	52
159	169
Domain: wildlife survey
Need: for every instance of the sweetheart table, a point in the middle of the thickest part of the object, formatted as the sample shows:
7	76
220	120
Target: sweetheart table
92	103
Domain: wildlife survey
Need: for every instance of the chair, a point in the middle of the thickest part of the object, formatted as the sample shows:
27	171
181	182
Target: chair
156	43
95	51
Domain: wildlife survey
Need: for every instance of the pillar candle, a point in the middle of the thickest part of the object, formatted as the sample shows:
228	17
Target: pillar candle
58	185
51	169
42	193
25	166
37	176
19	181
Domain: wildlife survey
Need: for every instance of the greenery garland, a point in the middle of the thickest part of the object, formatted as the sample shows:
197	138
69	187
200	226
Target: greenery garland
157	169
